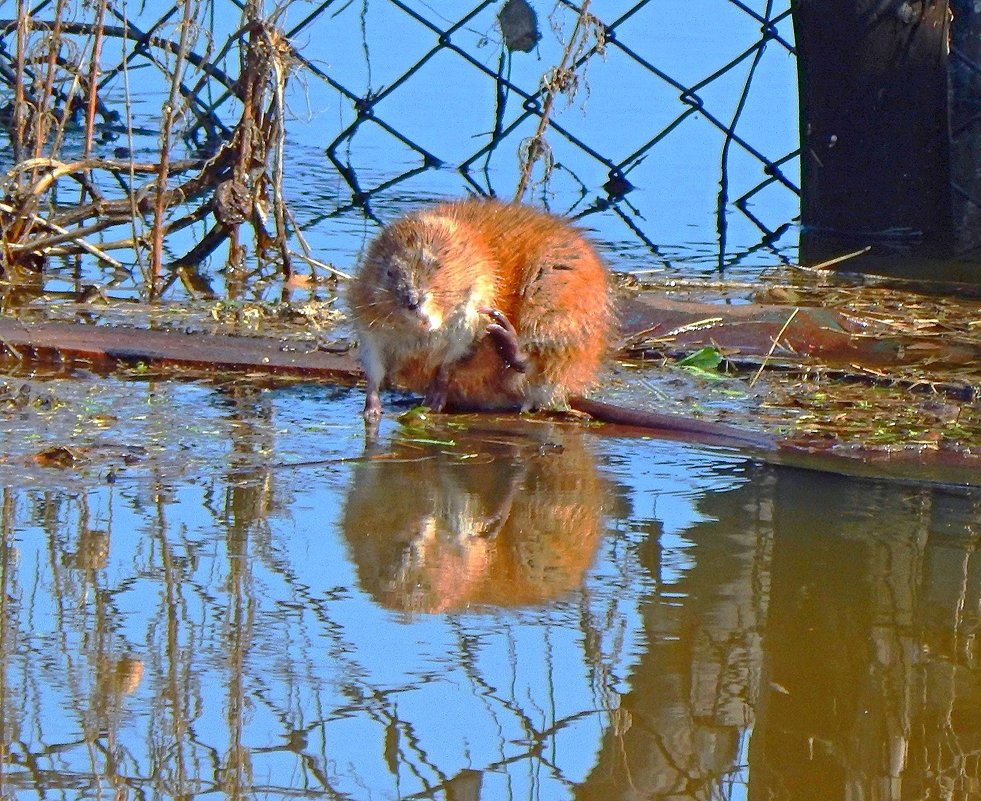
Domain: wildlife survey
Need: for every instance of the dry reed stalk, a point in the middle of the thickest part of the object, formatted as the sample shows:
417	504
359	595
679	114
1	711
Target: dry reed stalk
63	235
42	121
38	126
169	115
93	81
20	102
277	155
559	80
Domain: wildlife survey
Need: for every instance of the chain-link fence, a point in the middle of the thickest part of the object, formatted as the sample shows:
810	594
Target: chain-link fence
673	127
638	122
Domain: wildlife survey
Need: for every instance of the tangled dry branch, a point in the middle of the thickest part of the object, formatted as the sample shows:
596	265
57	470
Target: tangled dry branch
57	200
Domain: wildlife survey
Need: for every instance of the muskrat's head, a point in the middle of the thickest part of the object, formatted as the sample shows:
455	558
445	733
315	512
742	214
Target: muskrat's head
421	271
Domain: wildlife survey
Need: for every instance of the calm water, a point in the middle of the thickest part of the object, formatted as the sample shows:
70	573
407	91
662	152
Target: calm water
263	607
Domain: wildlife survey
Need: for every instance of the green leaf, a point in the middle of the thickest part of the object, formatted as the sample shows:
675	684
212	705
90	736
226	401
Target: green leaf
415	417
704	363
707	359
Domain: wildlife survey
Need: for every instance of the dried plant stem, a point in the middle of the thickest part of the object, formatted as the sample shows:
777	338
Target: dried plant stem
20	101
548	95
307	254
56	170
839	259
773	346
124	32
278	152
321	265
111	165
167	124
62	235
41	119
54	76
131	201
93	80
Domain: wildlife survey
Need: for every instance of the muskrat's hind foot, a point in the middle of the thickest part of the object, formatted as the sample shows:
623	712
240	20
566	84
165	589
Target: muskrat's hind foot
506	340
438	391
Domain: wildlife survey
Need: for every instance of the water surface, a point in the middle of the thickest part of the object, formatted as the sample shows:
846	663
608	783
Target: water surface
477	610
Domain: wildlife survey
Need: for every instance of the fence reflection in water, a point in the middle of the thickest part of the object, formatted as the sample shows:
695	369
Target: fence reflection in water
706	627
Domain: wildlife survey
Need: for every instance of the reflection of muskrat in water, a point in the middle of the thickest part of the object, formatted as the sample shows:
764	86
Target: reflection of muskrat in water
518	528
483	305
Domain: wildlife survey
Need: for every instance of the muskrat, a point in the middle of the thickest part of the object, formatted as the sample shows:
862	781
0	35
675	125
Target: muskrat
481	305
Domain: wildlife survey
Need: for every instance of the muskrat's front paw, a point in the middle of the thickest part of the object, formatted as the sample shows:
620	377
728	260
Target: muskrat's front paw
506	340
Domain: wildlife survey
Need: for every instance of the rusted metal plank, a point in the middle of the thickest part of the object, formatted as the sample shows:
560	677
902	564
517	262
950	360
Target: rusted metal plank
106	348
813	335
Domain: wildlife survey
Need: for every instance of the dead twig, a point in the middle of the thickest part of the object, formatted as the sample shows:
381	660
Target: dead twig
773	346
838	259
170	113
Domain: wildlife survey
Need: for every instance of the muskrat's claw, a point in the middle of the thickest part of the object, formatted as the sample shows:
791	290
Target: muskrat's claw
506	340
499	317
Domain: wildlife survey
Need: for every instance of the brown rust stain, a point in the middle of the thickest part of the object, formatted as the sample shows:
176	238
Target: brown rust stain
750	329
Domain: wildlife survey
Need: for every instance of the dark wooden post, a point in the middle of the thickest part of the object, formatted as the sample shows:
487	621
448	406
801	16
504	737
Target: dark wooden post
964	72
875	129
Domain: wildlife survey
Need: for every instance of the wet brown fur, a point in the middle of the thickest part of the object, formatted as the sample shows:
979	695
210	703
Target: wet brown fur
457	260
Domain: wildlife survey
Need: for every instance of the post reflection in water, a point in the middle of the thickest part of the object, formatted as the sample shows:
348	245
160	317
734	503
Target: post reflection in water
872	632
521	615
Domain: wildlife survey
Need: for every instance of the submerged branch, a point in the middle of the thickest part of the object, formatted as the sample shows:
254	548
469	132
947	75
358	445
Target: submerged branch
61	235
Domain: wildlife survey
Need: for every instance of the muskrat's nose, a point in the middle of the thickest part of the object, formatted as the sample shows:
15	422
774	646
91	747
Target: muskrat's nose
412	300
